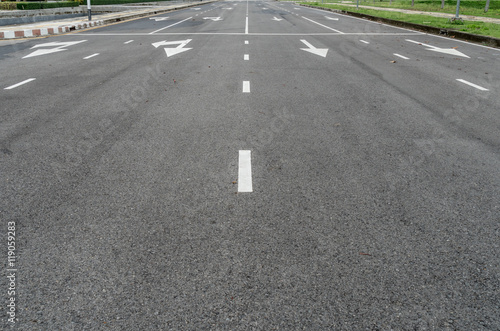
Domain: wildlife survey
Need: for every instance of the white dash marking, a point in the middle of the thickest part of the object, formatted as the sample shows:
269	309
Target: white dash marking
246	57
364	41
246	42
128	42
19	84
246	26
90	56
246	86
401	56
473	85
245	171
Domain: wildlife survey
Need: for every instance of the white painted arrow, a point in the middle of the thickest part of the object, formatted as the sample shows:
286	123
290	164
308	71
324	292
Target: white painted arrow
175	50
158	19
215	19
450	51
318	51
331	18
59	47
196	8
277	19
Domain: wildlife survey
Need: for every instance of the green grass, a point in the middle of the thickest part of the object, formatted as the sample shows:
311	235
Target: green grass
468	7
475	27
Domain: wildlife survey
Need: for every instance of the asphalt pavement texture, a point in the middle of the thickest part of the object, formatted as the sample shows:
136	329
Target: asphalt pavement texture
375	172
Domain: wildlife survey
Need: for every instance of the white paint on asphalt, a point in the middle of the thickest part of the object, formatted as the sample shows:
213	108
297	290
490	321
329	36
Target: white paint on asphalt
19	84
401	56
473	85
159	19
59	47
171	25
311	49
215	19
128	42
364	41
331	18
246	42
277	19
246	25
246	86
246	57
327	27
91	56
174	50
450	51
388	34
245	171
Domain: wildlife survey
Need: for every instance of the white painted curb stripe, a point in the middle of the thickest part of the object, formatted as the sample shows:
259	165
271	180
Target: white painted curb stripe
245	172
19	84
246	57
246	86
88	57
401	56
473	85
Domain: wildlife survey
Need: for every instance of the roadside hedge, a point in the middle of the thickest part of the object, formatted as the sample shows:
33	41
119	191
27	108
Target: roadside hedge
36	5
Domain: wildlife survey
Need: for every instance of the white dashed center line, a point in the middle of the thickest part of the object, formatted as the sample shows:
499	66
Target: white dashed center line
246	57
245	171
128	42
401	56
473	85
90	56
19	84
364	41
246	86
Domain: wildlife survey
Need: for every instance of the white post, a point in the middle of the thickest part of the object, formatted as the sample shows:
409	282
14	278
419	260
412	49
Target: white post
88	10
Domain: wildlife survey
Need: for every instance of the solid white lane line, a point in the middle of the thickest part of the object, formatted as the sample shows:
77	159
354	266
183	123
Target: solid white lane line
246	42
401	56
128	42
171	25
90	56
245	171
246	86
365	42
327	27
19	84
246	26
473	85
246	57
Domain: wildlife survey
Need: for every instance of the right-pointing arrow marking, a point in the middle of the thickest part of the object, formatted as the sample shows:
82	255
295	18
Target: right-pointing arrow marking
311	49
450	51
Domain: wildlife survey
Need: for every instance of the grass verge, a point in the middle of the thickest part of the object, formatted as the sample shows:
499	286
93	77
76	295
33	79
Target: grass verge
474	27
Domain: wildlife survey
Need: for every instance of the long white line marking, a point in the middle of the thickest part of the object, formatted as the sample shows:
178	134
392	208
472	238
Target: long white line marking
246	25
19	84
245	171
473	85
364	41
401	56
128	42
323	25
246	86
90	56
171	25
254	34
246	57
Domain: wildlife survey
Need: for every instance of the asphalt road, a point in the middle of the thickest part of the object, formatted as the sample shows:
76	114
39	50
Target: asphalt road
368	200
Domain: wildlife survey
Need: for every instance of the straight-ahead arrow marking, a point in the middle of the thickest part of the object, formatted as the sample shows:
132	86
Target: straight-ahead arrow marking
450	51
311	49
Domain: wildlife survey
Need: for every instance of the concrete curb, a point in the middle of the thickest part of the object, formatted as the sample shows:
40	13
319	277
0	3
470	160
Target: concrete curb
58	29
485	40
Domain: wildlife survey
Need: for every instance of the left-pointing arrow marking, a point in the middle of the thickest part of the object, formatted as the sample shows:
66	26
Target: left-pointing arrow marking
174	50
311	49
59	47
